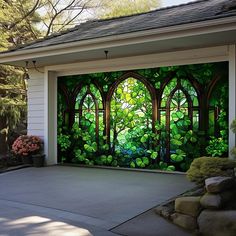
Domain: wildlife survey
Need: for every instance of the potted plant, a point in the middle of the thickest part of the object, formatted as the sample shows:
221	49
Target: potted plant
38	160
28	147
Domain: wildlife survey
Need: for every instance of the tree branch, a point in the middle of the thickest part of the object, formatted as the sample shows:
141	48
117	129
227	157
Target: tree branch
25	15
57	13
72	19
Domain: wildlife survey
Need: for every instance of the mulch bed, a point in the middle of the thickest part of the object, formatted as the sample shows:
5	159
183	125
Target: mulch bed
10	163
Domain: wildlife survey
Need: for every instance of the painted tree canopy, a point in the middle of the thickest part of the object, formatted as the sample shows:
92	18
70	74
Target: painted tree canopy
152	118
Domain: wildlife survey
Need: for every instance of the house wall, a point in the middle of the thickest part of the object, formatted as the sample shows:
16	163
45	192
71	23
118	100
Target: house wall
42	110
42	106
36	104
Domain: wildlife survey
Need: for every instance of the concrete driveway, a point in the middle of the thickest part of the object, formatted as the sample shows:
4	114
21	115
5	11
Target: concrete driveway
64	200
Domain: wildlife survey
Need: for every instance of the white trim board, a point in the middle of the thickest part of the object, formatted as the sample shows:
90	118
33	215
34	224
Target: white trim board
232	95
186	57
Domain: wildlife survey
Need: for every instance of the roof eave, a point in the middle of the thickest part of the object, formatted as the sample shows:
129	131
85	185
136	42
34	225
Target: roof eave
178	31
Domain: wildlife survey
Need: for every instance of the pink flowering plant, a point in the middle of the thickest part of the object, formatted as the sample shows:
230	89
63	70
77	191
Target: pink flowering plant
26	145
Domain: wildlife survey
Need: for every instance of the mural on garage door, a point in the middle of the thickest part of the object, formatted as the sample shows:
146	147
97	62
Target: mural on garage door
159	118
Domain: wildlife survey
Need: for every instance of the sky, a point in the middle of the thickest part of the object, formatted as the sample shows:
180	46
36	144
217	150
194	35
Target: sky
166	3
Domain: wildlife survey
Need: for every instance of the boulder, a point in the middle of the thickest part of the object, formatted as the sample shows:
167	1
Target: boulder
219	184
211	201
188	205
216	201
184	221
164	211
195	192
217	223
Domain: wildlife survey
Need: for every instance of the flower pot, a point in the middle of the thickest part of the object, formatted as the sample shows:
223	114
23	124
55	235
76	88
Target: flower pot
27	160
38	160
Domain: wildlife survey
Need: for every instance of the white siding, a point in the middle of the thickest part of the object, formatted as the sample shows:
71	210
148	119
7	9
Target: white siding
36	104
36	94
35	108
42	111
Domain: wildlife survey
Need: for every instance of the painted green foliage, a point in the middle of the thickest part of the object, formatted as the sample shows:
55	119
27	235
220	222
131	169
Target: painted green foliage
135	139
218	145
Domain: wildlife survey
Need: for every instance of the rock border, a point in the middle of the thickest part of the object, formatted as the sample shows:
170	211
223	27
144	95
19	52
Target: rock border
194	209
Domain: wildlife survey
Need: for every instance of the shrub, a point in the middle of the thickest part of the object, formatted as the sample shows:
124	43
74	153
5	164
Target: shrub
205	167
217	147
26	145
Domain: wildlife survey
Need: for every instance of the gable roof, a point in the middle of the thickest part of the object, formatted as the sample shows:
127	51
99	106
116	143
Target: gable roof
192	12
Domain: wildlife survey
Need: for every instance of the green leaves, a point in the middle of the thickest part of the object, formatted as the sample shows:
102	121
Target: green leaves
105	147
134	140
90	148
158	85
166	167
178	156
177	115
123	8
190	136
132	164
176	140
81	157
139	162
107	160
63	142
142	162
154	155
170	168
217	147
145	161
184	123
144	138
158	126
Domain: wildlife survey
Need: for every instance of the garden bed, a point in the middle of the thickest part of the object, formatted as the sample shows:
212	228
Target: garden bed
10	163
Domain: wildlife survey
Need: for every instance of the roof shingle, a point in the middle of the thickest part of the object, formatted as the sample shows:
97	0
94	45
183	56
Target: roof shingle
165	17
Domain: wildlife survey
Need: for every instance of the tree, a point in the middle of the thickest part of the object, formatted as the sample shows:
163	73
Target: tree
58	15
118	8
12	101
17	21
21	21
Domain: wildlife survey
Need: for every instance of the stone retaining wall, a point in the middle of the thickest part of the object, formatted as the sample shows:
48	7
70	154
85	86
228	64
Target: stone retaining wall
207	213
